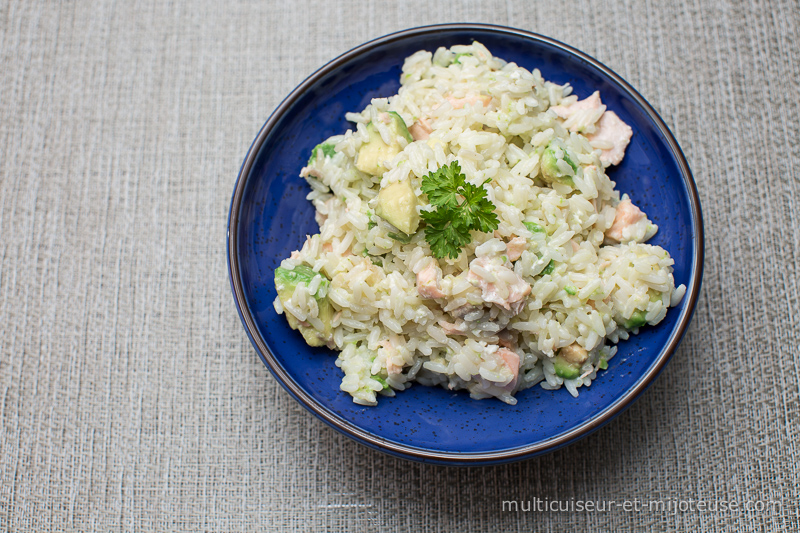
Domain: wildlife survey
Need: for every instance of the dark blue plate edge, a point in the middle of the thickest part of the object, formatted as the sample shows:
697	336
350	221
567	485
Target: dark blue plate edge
433	456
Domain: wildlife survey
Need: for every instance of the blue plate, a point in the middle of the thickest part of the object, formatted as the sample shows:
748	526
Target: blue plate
270	217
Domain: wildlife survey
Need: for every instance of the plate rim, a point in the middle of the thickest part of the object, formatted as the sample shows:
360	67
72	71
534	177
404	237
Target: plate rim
427	455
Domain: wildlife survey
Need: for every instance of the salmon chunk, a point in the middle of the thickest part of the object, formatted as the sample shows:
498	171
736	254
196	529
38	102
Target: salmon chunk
627	215
611	130
592	102
515	247
511	361
428	282
499	285
420	130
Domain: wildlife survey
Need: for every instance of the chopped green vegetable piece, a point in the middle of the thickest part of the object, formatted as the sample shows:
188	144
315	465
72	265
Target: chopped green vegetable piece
397	205
456	60
555	152
328	150
549	268
405	239
636	320
289	279
533	227
565	369
603	364
400	126
572	291
449	224
374	152
381	381
371	224
286	282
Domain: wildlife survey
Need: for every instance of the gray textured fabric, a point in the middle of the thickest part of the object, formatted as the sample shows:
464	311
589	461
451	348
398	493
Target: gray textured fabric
130	397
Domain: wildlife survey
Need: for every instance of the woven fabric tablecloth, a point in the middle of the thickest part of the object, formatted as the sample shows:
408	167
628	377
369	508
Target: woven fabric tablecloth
130	396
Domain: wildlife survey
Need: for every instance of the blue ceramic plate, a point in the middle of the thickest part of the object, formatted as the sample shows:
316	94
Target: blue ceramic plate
270	217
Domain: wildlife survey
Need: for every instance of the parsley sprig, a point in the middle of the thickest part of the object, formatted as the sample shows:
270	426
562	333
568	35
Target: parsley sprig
460	207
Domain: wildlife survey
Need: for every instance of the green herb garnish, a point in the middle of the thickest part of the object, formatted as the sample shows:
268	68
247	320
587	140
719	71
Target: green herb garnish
572	291
461	207
549	268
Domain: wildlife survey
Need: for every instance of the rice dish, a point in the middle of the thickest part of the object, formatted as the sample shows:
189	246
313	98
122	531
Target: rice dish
527	274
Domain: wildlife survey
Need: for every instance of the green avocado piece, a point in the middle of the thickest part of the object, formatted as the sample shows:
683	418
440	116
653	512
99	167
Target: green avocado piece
554	152
654	295
399	237
397	205
399	126
636	320
459	56
374	152
533	227
381	381
286	282
566	369
327	150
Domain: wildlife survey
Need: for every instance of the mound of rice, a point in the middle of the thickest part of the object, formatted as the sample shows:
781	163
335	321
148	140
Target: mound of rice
564	277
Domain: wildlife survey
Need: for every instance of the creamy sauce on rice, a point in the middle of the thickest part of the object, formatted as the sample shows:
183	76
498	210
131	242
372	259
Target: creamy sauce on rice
542	300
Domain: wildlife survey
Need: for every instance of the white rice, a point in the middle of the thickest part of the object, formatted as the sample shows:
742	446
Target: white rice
584	288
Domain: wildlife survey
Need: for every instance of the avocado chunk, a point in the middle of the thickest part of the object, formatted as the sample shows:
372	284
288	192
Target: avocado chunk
551	170
327	149
401	237
655	296
399	126
397	205
457	61
569	360
636	320
381	381
374	152
565	369
533	227
286	282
